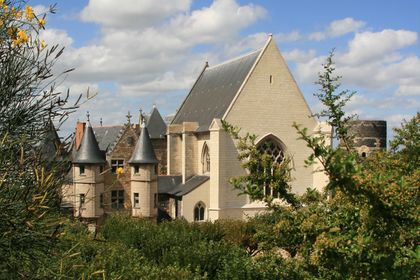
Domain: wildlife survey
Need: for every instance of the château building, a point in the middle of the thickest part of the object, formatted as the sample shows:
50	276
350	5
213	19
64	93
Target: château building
182	170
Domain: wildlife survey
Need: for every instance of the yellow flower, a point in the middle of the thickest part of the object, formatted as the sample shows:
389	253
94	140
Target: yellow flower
41	22
21	38
120	170
43	44
29	12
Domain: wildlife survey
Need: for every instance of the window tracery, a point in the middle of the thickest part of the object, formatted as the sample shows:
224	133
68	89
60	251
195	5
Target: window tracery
199	211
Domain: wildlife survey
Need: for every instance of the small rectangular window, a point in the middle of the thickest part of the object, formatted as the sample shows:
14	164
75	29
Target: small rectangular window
81	169
155	198
117	199
82	199
115	164
136	169
136	200
101	200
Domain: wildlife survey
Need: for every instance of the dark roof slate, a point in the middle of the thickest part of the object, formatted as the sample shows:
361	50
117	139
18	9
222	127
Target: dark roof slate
156	125
143	152
168	183
89	151
107	135
190	185
214	91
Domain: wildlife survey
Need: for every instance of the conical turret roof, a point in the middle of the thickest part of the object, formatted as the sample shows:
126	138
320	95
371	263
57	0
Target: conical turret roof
89	151
156	125
143	152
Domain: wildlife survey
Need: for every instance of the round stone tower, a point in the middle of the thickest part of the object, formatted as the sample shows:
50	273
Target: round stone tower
143	164
88	180
369	136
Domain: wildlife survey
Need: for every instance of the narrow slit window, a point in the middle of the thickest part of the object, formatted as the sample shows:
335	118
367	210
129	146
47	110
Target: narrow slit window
82	170
136	200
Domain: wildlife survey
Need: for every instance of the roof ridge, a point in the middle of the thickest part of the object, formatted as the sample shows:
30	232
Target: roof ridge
107	126
235	58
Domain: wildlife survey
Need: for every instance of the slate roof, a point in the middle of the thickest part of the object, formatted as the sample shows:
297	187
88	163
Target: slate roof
190	185
50	145
107	135
167	183
89	151
143	152
156	125
214	91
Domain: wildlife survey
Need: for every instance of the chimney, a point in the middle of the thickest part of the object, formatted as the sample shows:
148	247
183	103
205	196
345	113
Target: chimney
80	128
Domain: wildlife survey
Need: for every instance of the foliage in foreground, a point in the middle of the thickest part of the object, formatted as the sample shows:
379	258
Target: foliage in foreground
365	224
132	248
366	229
29	178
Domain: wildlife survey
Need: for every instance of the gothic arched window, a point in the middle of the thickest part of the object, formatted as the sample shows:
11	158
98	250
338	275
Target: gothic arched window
273	147
199	211
205	159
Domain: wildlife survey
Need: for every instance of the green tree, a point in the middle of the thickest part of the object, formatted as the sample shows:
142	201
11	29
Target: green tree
365	224
29	182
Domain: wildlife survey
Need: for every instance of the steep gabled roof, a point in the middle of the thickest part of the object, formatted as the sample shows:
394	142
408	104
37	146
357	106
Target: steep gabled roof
214	91
89	151
156	125
107	135
143	152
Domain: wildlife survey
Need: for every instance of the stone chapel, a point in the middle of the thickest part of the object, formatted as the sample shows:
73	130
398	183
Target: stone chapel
182	169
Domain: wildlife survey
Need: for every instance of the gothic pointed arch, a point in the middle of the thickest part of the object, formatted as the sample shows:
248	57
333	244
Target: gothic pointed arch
273	146
276	149
199	211
205	158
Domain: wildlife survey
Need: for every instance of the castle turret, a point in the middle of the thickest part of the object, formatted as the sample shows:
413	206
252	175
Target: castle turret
87	176
369	136
143	164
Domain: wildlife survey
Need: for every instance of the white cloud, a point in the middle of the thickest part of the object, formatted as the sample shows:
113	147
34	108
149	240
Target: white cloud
148	54
217	23
56	36
369	46
133	13
408	90
288	37
337	28
40	10
297	55
372	60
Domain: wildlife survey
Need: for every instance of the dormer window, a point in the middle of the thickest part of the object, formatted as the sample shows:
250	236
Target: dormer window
82	170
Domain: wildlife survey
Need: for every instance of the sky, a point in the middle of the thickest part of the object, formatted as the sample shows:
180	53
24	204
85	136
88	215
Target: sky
133	54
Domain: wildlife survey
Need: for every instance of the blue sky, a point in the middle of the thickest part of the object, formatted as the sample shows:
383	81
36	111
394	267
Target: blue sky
136	53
